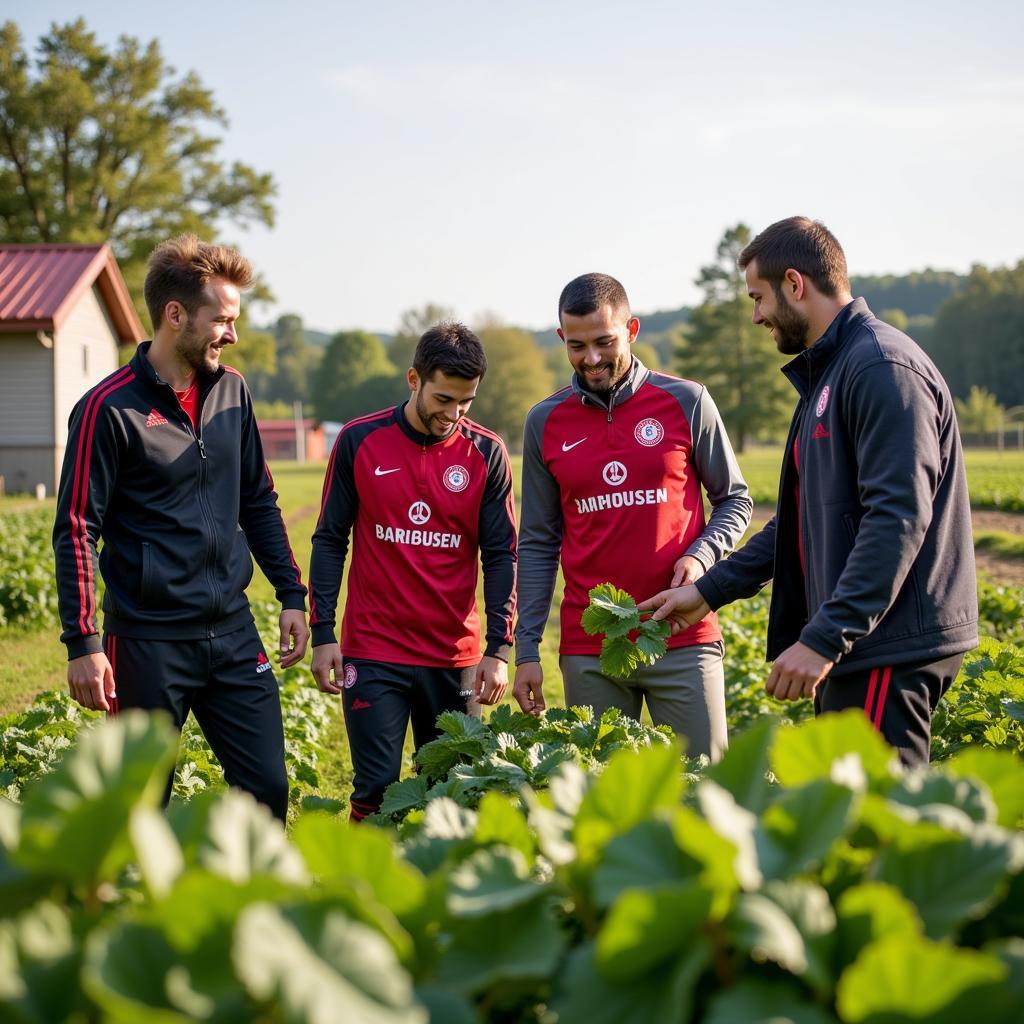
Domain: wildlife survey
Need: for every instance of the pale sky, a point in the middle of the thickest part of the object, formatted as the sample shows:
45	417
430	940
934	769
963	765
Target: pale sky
479	155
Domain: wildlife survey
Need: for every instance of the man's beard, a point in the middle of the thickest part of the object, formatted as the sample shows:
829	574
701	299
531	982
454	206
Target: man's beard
189	351
790	326
429	419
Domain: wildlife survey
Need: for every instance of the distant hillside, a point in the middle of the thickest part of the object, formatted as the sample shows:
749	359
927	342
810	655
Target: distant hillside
917	294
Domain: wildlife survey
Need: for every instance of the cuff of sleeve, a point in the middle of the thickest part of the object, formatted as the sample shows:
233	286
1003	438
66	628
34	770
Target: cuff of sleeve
709	590
810	637
80	646
703	554
293	600
323	633
498	649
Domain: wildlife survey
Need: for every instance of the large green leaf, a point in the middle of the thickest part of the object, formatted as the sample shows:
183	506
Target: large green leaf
584	995
645	856
1000	770
799	828
404	795
926	789
902	979
156	848
733	823
762	929
647	927
807	905
512	946
133	973
74	821
1010	952
446	1007
743	770
812	751
952	879
319	967
243	840
337	852
869	912
755	1001
491	880
39	964
19	887
630	789
611	611
502	822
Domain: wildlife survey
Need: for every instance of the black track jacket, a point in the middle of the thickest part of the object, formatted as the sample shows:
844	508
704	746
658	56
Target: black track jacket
178	513
875	506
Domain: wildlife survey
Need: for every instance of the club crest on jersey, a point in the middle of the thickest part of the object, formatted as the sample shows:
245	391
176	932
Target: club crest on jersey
614	474
823	400
262	663
419	512
348	680
456	478
649	432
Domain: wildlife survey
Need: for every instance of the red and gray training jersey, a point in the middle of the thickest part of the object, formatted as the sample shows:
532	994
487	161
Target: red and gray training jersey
420	509
615	490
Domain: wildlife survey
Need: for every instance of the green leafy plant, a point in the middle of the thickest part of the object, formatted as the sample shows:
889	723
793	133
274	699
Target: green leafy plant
628	643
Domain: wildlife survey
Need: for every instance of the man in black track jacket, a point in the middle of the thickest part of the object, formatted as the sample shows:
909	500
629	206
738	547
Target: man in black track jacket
164	463
874	600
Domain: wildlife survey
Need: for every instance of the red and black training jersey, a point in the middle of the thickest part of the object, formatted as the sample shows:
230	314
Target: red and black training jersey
615	490
420	509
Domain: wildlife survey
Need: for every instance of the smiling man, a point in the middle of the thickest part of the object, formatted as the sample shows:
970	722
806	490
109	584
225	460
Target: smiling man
613	472
424	493
164	463
874	596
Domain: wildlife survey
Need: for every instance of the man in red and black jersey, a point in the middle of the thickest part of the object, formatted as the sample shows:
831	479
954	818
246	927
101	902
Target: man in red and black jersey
424	492
613	472
164	463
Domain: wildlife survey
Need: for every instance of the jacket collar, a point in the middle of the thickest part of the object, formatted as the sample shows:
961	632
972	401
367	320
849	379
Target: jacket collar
812	361
144	370
622	392
413	434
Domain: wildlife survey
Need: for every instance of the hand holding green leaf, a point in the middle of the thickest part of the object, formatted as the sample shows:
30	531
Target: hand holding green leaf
628	643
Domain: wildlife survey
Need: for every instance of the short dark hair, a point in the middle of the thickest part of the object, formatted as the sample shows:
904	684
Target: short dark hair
453	349
802	244
589	292
182	267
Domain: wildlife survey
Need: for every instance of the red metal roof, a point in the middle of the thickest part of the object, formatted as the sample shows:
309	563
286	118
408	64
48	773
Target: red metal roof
40	284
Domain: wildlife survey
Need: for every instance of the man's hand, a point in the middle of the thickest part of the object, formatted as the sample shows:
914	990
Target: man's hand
294	636
797	672
491	681
682	607
528	688
327	667
91	681
687	570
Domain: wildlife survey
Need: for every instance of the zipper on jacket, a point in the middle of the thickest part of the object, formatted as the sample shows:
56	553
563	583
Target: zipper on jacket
423	469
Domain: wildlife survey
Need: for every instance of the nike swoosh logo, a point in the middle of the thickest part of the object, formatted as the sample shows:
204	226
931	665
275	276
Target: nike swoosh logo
569	447
384	472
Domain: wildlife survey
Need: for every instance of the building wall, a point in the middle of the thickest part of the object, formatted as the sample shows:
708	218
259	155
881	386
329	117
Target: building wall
26	413
85	351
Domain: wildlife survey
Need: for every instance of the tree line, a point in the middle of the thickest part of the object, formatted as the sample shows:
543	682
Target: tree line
109	144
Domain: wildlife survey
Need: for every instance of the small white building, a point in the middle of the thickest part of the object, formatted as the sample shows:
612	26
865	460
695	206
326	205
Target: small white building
64	312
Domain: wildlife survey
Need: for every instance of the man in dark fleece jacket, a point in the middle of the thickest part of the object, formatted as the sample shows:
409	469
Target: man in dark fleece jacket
164	464
874	600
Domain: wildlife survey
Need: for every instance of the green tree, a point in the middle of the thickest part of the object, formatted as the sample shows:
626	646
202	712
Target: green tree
647	354
517	378
737	361
978	337
101	144
355	377
981	413
297	362
254	356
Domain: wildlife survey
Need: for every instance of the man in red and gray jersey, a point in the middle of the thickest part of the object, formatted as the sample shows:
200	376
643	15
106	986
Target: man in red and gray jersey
424	492
613	472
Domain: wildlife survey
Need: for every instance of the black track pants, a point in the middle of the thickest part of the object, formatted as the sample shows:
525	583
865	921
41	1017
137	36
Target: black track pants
228	684
899	700
379	700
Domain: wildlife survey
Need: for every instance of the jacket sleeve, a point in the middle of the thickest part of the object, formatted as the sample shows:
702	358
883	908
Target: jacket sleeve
260	516
892	420
96	443
743	573
540	543
720	475
498	552
338	509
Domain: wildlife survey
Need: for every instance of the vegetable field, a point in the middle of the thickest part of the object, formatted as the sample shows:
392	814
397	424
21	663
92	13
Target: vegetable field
556	870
